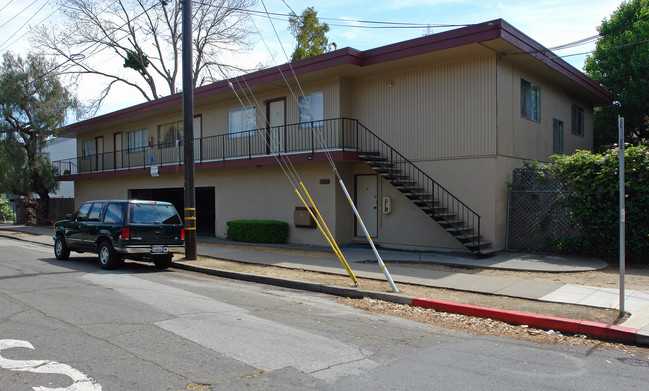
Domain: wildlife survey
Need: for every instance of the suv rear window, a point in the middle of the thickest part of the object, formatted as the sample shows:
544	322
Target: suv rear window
153	214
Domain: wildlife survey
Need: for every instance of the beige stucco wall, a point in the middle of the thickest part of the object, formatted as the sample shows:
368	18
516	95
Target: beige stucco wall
245	193
266	193
519	137
436	111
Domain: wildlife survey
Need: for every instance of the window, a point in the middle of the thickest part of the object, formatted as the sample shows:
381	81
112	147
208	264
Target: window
87	149
169	134
136	140
530	101
557	143
114	214
577	120
82	213
95	212
240	120
311	110
153	214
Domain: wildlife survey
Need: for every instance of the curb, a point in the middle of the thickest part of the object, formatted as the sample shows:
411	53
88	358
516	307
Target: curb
593	329
4	235
599	330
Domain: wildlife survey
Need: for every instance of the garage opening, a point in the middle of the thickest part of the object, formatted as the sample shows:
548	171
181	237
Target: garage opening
205	204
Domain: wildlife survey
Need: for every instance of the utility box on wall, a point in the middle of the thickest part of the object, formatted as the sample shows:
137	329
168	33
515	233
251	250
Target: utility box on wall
302	218
387	205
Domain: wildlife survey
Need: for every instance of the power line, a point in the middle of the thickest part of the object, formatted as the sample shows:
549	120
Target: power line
388	25
15	16
23	36
6	5
609	48
24	24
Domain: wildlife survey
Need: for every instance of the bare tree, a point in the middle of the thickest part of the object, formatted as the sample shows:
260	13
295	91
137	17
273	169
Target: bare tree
146	36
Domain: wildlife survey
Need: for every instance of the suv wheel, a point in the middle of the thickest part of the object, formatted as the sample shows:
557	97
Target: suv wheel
61	250
108	257
163	261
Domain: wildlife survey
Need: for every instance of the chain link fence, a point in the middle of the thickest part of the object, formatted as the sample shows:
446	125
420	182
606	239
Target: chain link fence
536	213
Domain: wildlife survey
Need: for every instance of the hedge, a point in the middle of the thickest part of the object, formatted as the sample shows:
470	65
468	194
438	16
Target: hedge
594	180
257	231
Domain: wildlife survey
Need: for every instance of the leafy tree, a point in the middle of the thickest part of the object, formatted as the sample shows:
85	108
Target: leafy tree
309	34
146	36
620	63
33	106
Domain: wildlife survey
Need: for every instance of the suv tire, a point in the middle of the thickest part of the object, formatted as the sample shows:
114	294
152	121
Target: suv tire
163	261
108	257
61	250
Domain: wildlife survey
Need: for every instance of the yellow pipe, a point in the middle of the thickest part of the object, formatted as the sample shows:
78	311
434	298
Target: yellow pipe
337	250
349	271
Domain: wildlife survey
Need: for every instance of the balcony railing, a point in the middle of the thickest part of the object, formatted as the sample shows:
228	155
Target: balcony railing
335	134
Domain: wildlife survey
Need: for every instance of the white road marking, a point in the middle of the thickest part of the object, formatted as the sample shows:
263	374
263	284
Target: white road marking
81	382
236	332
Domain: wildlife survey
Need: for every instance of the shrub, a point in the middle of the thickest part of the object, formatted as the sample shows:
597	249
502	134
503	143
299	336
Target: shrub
594	179
258	231
5	210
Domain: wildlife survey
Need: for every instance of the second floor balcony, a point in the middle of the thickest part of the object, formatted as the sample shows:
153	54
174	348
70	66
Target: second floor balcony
307	140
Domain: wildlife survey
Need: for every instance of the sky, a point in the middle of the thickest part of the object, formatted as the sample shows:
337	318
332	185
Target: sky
549	22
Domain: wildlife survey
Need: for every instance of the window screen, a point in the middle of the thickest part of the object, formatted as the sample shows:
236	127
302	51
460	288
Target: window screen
311	110
577	120
240	120
530	101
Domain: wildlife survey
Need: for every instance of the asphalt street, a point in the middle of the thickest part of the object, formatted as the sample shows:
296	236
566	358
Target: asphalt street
67	325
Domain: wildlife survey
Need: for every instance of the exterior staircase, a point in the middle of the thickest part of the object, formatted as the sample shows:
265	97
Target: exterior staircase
439	204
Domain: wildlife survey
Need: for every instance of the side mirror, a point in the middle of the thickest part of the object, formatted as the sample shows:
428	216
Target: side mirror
68	216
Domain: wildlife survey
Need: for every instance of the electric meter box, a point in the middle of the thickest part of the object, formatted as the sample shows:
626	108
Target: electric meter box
302	218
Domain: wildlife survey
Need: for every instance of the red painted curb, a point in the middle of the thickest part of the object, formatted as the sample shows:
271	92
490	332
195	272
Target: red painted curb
601	330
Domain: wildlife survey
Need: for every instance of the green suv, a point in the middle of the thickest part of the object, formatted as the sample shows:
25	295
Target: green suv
119	229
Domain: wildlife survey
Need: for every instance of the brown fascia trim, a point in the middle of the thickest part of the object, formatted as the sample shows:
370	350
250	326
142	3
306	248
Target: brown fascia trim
529	46
446	40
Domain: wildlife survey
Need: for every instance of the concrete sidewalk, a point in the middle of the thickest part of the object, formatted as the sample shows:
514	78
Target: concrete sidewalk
363	262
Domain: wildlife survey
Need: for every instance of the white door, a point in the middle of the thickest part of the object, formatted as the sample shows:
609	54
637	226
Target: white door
367	203
276	124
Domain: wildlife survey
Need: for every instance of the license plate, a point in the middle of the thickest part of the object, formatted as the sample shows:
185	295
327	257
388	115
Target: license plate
158	249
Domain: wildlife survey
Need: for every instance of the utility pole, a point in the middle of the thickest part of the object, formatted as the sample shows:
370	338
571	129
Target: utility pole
620	124
188	132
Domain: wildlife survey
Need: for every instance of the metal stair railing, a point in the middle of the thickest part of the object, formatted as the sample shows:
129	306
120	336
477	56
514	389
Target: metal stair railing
445	208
